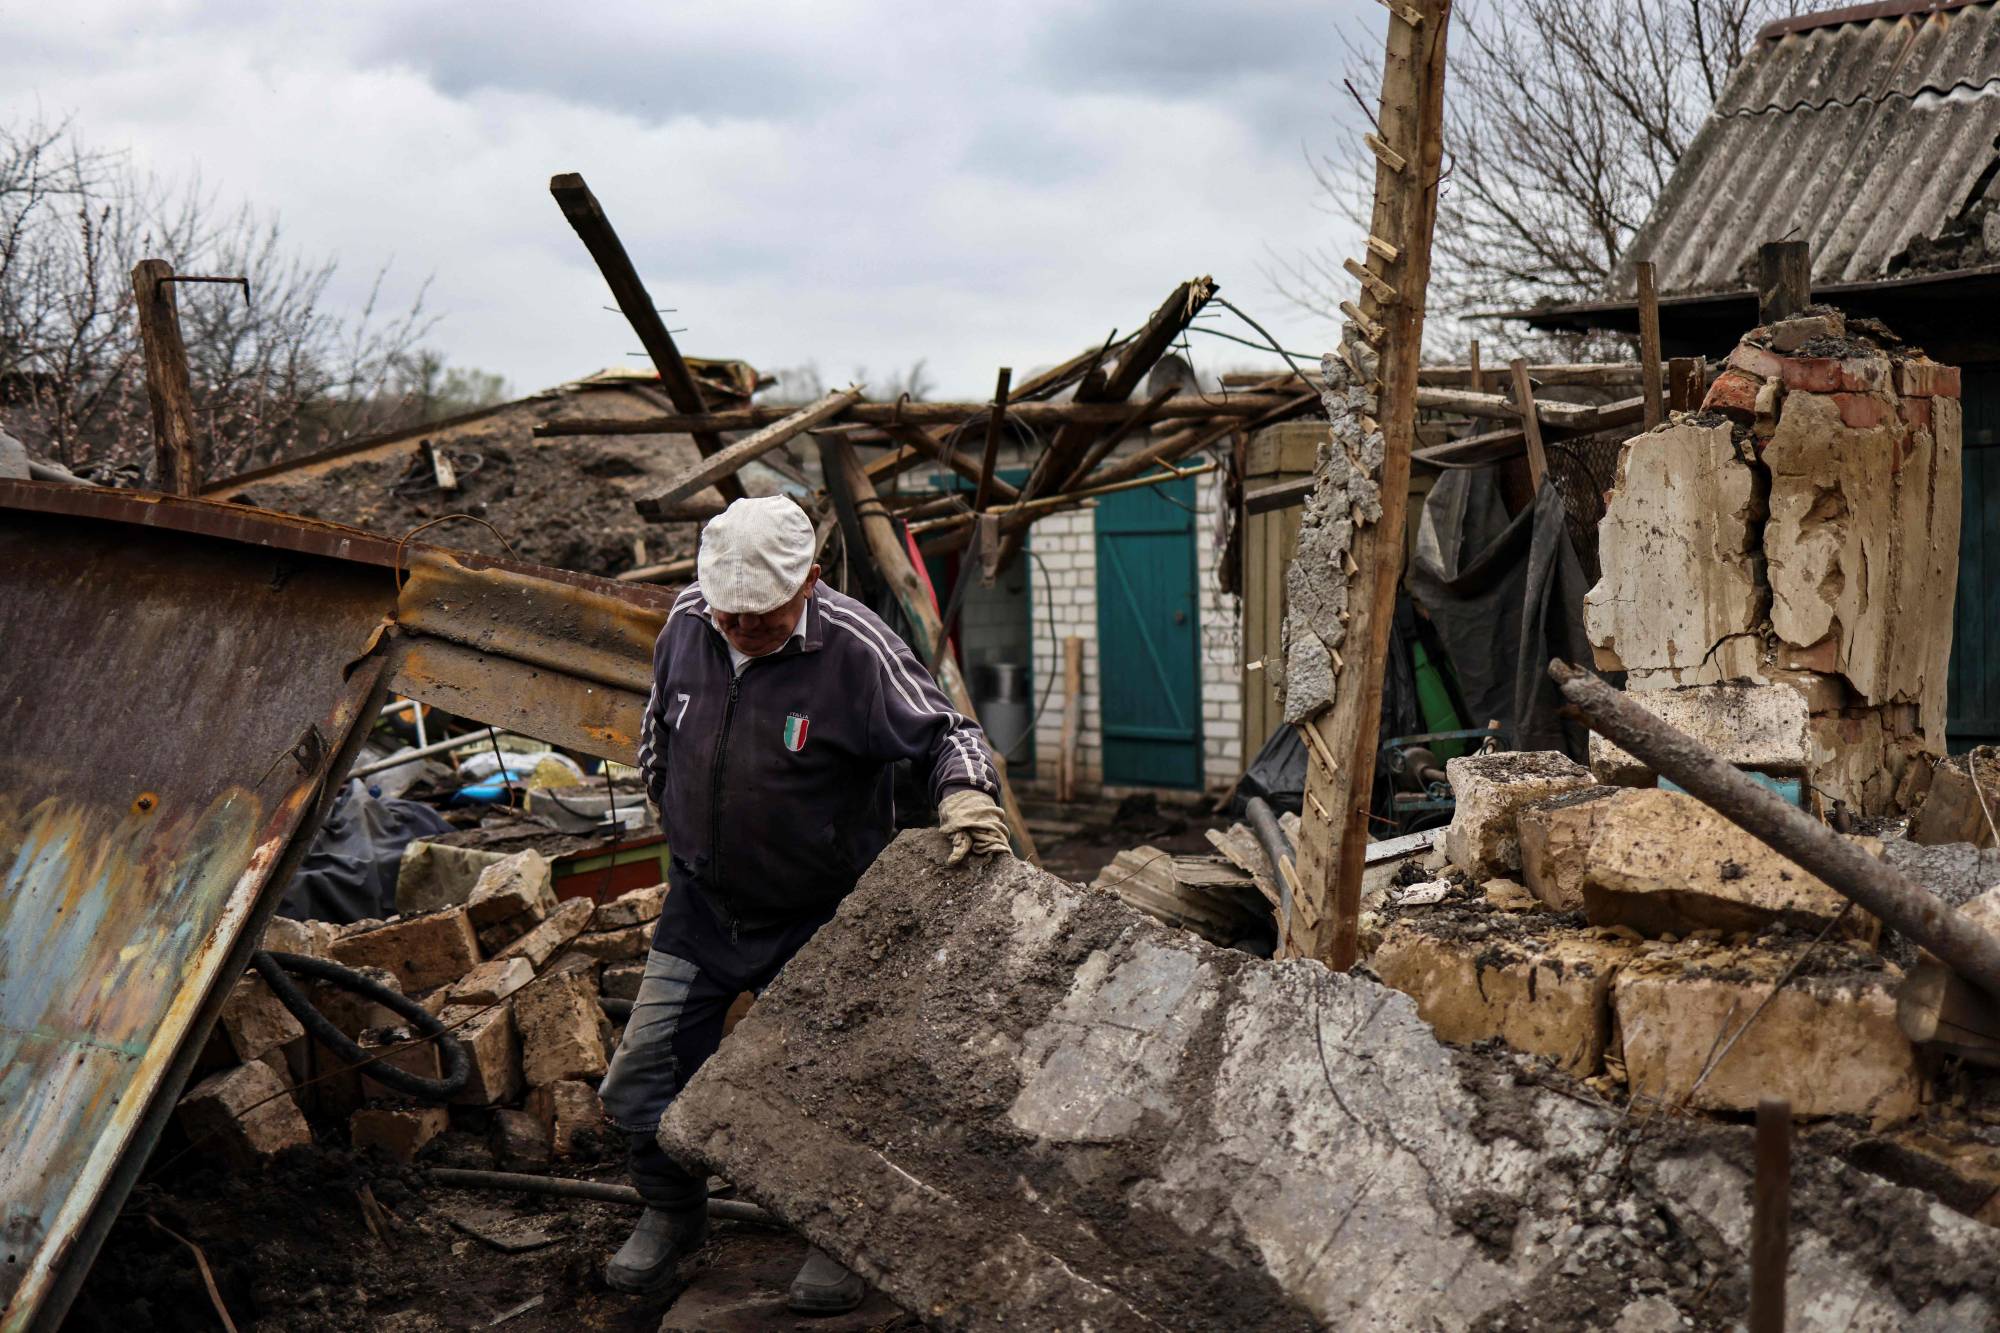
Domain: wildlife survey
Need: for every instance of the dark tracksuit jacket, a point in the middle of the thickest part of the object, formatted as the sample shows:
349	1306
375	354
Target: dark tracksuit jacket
774	786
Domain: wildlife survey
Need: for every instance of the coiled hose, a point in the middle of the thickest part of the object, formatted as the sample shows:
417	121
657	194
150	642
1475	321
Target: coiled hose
277	969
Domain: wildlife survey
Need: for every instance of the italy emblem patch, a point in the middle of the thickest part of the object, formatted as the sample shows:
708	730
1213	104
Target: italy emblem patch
795	731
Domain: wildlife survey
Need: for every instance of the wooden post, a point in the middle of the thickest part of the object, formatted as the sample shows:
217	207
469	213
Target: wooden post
1341	738
1784	280
177	461
585	214
983	492
1649	344
1771	1216
1531	422
892	562
1072	726
1476	380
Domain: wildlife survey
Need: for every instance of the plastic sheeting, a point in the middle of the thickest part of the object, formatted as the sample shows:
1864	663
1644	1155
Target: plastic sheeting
1506	595
350	872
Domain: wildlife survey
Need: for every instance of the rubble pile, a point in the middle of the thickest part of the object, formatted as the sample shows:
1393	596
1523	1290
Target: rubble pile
518	977
1797	538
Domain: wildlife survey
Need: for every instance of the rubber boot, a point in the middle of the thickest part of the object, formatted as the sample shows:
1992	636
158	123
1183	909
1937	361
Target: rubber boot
824	1287
648	1259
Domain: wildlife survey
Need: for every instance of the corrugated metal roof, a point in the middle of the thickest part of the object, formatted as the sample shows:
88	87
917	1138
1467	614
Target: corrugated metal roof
1857	136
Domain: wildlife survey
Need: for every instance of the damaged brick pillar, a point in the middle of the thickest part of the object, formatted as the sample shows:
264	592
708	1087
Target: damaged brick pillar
1796	539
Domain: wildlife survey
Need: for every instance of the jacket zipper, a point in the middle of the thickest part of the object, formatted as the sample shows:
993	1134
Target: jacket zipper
715	793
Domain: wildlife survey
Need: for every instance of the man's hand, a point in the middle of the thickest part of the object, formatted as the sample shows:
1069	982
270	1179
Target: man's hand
974	824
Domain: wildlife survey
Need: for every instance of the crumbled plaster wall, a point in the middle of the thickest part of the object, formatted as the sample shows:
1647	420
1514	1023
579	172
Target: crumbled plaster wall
1802	529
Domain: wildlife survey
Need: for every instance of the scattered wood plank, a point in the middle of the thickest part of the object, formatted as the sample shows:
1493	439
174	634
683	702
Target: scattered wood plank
1531	423
1087	415
587	216
727	461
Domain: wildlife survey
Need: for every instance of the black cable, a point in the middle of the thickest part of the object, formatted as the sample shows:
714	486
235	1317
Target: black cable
275	969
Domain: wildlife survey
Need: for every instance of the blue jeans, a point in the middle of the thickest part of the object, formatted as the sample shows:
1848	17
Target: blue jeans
695	971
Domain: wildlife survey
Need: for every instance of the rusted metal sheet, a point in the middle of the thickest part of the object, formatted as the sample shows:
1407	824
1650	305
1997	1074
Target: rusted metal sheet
184	682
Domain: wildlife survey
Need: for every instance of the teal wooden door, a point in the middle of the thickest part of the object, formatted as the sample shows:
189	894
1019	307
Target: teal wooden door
1973	712
1149	679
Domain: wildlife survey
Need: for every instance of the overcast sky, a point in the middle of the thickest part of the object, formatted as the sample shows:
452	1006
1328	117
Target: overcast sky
844	182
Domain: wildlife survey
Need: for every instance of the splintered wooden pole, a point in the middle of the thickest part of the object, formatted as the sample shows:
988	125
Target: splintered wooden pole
892	562
989	458
593	227
176	461
1475	377
1341	738
1649	344
1784	280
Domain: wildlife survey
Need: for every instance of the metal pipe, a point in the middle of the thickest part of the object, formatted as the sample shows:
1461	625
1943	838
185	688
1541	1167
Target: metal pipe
1278	851
1900	902
521	1182
423	752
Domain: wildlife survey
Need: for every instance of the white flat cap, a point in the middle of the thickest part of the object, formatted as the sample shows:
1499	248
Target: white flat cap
755	555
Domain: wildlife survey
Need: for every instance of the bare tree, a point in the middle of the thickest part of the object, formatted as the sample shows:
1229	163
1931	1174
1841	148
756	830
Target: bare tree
272	375
1563	124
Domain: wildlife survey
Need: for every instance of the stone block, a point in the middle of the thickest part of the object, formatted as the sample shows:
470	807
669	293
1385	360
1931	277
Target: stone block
621	980
399	1131
1489	789
569	1110
1758	362
243	1114
284	935
1555	836
1663	863
516	885
1761	727
631	909
1953	809
1676	550
1810	374
1866	374
1828	1042
559	1022
1789	335
615	945
255	1021
520	1141
494	979
434	875
1542	991
355	1014
548	938
1927	379
423	952
494	1049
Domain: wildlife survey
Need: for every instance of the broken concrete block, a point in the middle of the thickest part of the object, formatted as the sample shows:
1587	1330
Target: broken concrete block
423	951
399	1131
547	939
1542	989
255	1020
494	1049
1828	1041
1761	727
494	979
1956	809
615	945
244	1114
943	1135
1488	789
434	875
517	885
621	980
284	935
630	909
1676	549
1555	835
568	1109
558	1018
1663	863
520	1141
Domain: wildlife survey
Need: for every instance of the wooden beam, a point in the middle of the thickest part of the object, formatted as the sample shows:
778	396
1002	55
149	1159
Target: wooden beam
1531	423
916	438
1475	377
1146	413
1500	445
727	461
1548	375
1649	344
587	216
1072	723
1182	443
688	511
990	457
1784	280
1088	414
892	563
1341	767
176	454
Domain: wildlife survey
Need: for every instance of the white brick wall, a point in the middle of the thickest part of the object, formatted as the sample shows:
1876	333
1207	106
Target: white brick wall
1066	581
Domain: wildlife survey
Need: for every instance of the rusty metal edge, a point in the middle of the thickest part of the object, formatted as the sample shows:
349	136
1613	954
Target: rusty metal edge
285	532
366	688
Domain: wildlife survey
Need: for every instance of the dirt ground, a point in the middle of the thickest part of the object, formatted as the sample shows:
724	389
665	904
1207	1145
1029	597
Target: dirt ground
1077	841
291	1248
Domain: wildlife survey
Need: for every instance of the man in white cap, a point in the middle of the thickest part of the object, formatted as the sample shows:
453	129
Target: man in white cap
779	709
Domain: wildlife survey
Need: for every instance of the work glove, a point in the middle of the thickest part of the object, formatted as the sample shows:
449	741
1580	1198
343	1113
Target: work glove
973	823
